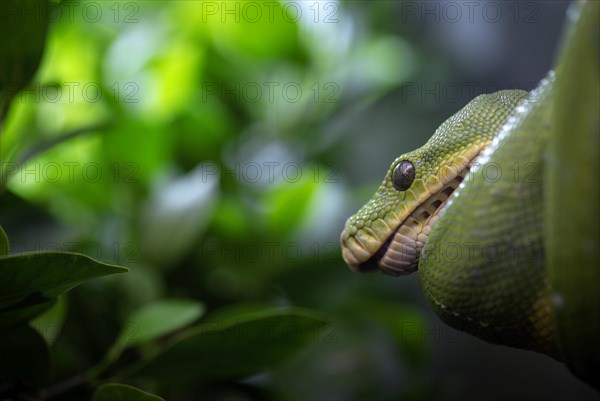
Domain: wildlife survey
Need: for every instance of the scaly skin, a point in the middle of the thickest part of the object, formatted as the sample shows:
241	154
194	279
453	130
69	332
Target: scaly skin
510	253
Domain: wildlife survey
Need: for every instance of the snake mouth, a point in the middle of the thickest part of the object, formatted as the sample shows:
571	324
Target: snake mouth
399	252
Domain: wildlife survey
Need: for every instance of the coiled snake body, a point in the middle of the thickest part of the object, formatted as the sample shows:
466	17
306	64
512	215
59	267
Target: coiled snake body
498	212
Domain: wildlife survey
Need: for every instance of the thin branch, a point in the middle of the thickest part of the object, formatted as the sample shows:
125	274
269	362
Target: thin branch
63	386
3	113
45	145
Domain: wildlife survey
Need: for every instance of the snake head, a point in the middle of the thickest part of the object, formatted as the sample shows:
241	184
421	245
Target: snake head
388	233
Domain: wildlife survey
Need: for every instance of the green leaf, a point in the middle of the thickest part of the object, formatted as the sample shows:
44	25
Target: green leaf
159	318
287	205
22	312
4	245
22	38
123	392
235	348
150	323
24	357
42	276
49	324
248	39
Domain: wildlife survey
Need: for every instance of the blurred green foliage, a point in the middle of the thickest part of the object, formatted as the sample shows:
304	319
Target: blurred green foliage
208	153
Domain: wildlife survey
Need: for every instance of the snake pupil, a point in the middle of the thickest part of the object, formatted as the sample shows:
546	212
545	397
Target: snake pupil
404	175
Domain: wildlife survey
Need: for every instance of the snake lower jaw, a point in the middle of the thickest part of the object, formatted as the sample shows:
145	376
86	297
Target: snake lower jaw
393	258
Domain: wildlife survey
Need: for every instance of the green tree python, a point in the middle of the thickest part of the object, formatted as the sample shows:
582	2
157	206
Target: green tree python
498	212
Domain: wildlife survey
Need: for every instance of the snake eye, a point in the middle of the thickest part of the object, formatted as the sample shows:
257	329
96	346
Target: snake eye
403	176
